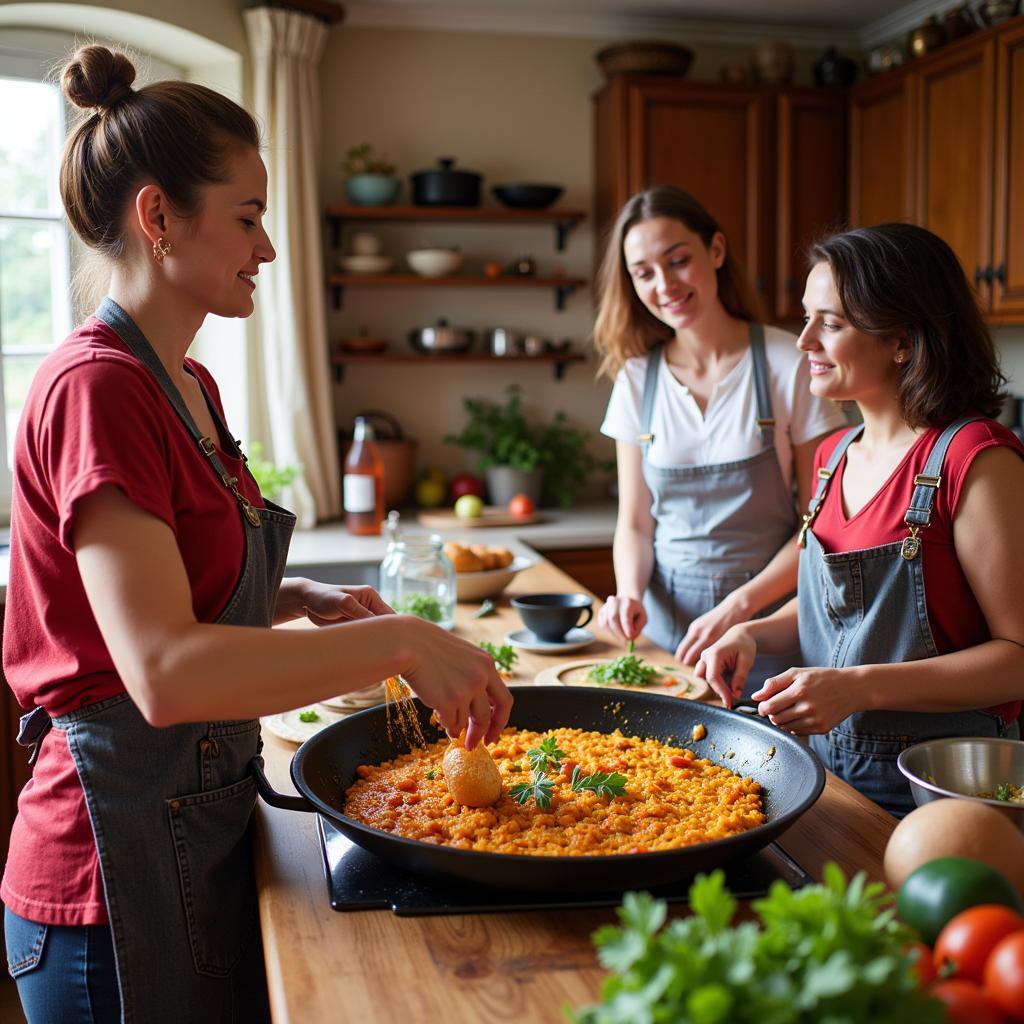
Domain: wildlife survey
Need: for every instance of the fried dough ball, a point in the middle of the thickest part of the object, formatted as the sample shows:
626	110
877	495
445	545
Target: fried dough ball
502	557
486	555
462	558
472	776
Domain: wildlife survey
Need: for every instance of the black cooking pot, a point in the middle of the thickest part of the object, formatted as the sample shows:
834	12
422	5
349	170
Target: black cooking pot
791	778
446	186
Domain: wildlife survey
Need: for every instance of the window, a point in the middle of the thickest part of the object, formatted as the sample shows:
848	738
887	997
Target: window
35	293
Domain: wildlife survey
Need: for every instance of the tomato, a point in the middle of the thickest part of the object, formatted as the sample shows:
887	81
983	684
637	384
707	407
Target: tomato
924	965
966	1003
1004	976
521	505
938	890
967	940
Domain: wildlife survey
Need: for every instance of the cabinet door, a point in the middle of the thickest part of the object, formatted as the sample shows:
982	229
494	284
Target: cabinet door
1008	252
955	128
711	141
881	147
811	185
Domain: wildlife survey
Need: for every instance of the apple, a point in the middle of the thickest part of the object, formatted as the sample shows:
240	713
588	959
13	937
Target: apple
469	506
430	493
466	483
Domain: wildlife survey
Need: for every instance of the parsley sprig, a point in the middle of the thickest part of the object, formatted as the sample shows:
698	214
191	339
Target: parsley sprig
1004	791
629	670
540	787
548	754
610	784
504	656
827	952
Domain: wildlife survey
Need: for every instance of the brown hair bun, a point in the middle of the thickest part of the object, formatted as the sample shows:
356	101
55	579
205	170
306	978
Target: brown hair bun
97	77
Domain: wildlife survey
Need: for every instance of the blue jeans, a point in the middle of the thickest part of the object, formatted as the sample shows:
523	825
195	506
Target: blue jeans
65	974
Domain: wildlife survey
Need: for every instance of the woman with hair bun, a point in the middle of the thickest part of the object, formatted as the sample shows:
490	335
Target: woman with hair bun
714	428
145	570
908	610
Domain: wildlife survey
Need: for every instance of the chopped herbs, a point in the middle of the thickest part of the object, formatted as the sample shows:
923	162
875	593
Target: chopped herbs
486	608
629	670
546	755
504	656
432	774
540	788
421	605
309	716
517	767
1004	791
610	784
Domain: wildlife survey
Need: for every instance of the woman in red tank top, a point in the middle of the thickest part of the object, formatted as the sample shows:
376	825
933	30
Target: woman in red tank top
911	564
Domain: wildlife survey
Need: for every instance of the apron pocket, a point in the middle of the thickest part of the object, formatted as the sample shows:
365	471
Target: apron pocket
214	856
26	941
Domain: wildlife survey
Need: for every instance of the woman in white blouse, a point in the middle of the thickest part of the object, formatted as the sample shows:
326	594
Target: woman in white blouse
715	431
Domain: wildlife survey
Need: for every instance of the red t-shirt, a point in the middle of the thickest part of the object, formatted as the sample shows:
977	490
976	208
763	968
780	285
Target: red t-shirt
954	615
94	416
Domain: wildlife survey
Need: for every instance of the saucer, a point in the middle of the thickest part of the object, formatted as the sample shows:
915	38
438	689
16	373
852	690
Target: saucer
289	726
527	641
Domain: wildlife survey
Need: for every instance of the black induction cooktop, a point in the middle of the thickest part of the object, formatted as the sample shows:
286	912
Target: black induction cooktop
360	880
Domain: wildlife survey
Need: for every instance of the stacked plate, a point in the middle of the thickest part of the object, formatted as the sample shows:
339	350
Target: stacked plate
367	264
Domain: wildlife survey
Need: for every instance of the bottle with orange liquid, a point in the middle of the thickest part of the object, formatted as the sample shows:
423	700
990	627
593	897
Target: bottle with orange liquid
363	482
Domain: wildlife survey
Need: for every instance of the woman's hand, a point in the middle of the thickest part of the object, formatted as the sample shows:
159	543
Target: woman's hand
458	680
726	664
623	617
809	700
708	628
326	604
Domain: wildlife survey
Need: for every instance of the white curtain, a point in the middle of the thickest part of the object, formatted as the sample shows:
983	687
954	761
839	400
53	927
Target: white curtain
286	48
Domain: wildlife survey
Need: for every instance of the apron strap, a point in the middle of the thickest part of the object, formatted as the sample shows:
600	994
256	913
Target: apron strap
645	438
127	330
762	393
926	485
824	478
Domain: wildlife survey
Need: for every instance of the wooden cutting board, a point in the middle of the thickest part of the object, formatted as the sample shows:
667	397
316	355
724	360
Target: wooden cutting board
493	515
673	680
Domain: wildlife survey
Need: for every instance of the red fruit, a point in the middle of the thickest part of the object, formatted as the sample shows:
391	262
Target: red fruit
1004	976
924	965
969	938
966	1003
521	505
466	483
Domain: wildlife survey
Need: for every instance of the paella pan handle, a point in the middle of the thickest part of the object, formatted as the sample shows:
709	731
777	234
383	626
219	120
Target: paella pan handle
749	707
271	795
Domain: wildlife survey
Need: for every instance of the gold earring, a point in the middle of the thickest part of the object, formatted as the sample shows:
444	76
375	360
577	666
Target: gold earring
160	249
899	357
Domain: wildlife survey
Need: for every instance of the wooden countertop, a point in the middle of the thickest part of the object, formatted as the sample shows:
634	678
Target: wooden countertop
373	966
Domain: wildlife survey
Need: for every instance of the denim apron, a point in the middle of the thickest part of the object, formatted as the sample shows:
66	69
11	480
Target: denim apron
868	607
715	526
170	807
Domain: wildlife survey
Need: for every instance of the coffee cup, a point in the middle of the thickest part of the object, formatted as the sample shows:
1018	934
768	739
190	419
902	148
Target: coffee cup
550	616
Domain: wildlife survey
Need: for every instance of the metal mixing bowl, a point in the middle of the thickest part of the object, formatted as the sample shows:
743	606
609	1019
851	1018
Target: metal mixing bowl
962	767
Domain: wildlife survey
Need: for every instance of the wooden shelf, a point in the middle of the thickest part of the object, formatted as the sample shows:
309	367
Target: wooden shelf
563	221
558	360
563	286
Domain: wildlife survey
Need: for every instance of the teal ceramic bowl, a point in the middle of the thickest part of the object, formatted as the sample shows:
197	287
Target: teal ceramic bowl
372	189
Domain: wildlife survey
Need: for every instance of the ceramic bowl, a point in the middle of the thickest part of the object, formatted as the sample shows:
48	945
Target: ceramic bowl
526	195
434	262
372	189
475	586
962	768
367	264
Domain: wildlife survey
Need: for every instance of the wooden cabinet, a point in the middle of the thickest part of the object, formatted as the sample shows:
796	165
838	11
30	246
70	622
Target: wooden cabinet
941	143
591	567
769	164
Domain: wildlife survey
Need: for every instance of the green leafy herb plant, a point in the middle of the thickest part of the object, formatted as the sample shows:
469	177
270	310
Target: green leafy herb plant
832	952
502	436
271	479
362	160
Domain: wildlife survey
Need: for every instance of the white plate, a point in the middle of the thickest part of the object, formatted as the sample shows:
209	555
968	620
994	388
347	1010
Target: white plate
367	264
288	725
672	680
357	700
574	640
475	586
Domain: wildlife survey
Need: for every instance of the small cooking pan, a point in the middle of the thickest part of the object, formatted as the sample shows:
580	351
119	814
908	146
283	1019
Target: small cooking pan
791	778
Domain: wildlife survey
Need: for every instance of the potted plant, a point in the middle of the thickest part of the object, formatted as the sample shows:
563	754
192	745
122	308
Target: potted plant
371	179
514	453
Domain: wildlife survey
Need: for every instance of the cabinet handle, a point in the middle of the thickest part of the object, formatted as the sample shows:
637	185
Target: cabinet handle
978	275
1000	273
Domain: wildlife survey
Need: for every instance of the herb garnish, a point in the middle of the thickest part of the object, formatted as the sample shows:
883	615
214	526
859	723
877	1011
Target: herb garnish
486	608
602	783
504	656
540	788
432	774
1004	791
548	754
309	716
629	670
421	605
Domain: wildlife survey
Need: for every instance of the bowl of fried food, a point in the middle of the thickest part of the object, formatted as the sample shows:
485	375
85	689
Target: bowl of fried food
482	571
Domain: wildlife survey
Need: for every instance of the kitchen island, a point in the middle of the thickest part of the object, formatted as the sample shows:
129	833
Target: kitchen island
376	967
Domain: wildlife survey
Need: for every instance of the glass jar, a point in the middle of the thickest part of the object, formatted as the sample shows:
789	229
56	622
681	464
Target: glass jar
416	578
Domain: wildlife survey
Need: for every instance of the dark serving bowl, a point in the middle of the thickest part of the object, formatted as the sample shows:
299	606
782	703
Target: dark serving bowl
527	196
